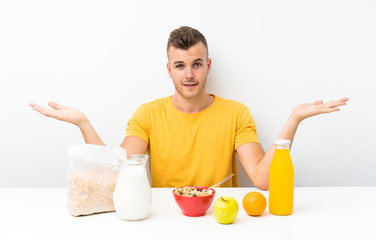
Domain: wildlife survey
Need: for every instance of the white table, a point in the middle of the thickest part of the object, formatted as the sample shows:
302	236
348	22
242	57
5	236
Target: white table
319	213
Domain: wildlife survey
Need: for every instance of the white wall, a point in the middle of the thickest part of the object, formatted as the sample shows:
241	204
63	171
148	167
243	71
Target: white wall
108	57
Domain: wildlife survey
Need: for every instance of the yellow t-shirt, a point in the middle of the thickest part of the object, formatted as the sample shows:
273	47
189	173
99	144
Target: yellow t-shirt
193	149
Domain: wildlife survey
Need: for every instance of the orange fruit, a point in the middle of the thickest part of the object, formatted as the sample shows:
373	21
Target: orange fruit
254	203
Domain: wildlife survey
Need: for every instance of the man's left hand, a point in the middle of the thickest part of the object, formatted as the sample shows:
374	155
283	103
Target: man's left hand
307	110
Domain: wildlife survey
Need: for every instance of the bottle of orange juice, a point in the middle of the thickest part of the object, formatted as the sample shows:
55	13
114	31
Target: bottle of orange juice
281	180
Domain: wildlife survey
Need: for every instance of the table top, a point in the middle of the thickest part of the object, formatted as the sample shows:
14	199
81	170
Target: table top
319	213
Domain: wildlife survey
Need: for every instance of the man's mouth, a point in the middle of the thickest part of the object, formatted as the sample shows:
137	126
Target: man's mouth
190	84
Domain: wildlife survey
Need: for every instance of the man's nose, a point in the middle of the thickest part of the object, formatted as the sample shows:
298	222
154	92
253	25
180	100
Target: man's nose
189	74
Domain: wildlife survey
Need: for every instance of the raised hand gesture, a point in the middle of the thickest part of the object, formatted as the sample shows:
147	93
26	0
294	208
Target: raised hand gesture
62	113
307	110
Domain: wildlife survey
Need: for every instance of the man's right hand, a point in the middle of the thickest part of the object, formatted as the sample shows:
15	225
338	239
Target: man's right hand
71	115
63	113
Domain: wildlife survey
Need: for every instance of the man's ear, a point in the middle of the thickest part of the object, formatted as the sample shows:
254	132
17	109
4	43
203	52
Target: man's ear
209	65
169	69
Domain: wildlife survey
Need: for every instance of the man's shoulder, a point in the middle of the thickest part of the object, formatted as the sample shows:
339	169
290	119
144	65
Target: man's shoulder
156	104
229	103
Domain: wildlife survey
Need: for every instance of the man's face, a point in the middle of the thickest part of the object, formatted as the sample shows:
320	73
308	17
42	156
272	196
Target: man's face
188	70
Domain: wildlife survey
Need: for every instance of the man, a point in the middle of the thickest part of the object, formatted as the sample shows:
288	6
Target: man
193	136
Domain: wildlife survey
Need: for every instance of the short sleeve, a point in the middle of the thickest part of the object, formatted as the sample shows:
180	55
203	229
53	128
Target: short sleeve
245	128
138	124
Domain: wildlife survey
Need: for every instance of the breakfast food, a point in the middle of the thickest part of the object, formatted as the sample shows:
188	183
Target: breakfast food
225	210
92	178
254	203
86	193
193	192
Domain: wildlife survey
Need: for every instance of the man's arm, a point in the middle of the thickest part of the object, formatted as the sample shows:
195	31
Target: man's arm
134	145
251	155
71	115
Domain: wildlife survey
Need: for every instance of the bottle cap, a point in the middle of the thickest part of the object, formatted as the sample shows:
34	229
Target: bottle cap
282	142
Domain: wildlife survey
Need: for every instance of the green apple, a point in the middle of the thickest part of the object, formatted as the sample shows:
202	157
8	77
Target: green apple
225	209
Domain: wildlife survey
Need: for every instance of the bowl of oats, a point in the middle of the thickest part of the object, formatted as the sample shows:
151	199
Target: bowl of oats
194	201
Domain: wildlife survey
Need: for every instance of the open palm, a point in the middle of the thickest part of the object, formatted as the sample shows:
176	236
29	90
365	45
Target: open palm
60	112
307	110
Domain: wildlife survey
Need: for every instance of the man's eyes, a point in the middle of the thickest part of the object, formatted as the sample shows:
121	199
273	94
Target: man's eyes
195	65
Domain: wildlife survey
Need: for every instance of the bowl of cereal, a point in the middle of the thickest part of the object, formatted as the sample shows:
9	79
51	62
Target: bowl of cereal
194	201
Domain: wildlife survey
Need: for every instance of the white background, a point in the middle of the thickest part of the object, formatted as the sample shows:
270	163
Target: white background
108	57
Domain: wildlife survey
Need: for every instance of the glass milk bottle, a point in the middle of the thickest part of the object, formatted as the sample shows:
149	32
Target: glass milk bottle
132	194
281	180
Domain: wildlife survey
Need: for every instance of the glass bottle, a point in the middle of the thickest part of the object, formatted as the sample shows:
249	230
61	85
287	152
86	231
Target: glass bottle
132	193
281	180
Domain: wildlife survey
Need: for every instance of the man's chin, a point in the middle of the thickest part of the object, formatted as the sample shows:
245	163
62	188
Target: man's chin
190	96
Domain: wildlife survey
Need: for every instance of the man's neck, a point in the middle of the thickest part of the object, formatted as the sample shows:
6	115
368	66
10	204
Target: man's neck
192	106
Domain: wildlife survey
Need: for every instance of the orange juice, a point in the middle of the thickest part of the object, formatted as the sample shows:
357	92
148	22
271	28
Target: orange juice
281	180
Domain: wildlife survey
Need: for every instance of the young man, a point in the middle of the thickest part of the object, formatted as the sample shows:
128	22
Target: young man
193	136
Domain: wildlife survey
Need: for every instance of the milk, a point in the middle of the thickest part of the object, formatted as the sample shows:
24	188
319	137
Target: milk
132	194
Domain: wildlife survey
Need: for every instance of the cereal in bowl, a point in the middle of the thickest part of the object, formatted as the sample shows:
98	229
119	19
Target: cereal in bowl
192	192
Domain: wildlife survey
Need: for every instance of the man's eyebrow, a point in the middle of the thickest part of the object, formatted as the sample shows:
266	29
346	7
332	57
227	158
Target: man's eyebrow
196	60
177	62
